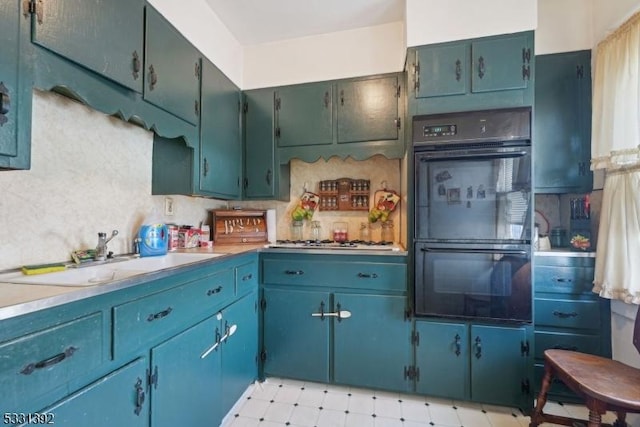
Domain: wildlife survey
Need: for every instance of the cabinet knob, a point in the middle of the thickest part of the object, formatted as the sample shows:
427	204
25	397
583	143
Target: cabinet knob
153	78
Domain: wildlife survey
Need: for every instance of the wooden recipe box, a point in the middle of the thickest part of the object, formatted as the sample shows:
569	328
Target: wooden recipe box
238	226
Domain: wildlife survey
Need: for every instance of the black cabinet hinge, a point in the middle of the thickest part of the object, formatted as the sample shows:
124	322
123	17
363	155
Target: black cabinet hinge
197	108
524	348
580	71
525	386
263	304
263	355
526	55
411	373
398	91
415	338
277	103
526	72
408	314
197	70
245	107
152	378
30	7
277	132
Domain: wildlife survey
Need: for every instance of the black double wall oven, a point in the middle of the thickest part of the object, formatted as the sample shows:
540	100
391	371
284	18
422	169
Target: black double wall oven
473	204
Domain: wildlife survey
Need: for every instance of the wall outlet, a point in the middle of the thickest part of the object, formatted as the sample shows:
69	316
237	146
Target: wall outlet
169	207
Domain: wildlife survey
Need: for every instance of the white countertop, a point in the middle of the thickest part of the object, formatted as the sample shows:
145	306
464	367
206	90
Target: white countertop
566	253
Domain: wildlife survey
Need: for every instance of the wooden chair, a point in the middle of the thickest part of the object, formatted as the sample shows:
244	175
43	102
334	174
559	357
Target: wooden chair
604	384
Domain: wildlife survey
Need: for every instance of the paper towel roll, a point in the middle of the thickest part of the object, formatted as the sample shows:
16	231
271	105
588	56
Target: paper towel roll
271	225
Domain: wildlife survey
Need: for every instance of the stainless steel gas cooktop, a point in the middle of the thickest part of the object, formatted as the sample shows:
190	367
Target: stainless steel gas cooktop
330	244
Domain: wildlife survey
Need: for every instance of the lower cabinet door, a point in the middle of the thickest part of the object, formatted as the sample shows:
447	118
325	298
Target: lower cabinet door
239	350
498	365
296	337
372	346
118	399
442	357
187	389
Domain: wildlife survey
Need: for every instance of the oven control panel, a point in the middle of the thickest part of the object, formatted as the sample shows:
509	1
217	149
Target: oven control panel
439	130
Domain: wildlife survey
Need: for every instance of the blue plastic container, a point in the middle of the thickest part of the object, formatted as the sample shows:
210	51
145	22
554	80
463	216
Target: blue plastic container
154	239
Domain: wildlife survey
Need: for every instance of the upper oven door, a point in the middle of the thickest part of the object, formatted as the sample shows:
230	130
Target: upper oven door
474	195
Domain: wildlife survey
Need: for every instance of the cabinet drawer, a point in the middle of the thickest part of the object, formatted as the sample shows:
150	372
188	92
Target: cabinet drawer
141	322
574	280
37	363
545	340
246	278
568	313
359	275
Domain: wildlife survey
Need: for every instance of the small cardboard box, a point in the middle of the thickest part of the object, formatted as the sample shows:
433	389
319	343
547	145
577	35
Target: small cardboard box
238	226
188	238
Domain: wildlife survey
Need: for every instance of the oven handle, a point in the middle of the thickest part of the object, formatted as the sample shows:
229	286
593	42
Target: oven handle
478	251
456	156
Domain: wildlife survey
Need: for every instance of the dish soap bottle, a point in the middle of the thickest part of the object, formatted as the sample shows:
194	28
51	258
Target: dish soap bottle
154	239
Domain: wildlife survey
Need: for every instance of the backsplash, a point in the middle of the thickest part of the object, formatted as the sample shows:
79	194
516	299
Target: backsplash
89	173
378	170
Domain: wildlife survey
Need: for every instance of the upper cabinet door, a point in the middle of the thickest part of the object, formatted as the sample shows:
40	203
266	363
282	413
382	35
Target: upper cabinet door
368	110
15	88
503	63
562	123
220	144
304	115
103	36
172	69
259	153
442	70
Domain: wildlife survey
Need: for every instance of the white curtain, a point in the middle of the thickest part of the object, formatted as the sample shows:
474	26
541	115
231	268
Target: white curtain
615	147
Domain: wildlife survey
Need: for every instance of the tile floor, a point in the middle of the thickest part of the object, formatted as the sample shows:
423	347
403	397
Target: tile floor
281	402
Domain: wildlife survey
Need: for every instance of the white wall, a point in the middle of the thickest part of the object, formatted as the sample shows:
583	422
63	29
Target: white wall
564	26
608	15
202	27
89	173
360	52
434	21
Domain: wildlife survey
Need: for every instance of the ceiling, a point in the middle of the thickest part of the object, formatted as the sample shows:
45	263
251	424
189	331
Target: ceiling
262	21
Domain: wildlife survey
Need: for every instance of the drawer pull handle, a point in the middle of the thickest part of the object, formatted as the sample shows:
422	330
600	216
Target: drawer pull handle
31	367
563	315
214	291
294	272
457	344
159	315
139	397
565	347
478	348
367	275
563	280
247	277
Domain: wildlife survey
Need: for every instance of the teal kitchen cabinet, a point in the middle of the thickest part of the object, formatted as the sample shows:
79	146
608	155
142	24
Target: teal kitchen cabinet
442	359
84	32
220	143
15	88
368	110
123	389
372	346
186	377
567	314
172	69
264	176
336	320
295	342
481	363
562	123
239	350
473	74
304	115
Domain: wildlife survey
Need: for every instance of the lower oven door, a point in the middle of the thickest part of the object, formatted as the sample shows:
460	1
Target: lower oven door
485	283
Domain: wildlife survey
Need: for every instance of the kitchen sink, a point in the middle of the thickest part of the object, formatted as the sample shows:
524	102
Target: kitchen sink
107	272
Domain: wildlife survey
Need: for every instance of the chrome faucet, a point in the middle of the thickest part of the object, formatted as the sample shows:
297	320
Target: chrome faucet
101	249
